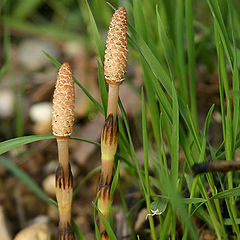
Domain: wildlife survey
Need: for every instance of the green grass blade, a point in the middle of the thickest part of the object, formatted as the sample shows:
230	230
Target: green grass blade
191	59
208	120
228	221
102	88
86	140
180	52
127	212
132	151
85	180
158	70
216	12
77	231
175	136
106	225
96	103
43	31
236	96
24	9
235	77
139	19
98	235
20	141
96	35
153	108
166	44
145	148
174	151
234	192
113	188
20	174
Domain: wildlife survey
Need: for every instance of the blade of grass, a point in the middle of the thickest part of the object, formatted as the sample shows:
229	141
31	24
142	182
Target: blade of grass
153	108
145	149
220	26
179	51
85	180
113	188
44	30
98	235
77	231
166	44
18	142
132	150
24	9
191	59
235	77
139	19
175	137
21	175
106	224
102	88
96	34
127	212
174	152
96	103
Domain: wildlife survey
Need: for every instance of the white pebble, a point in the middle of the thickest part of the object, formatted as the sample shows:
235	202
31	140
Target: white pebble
41	112
34	232
49	185
30	54
6	103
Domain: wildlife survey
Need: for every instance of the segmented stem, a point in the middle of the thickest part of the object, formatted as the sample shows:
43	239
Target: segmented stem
115	66
62	124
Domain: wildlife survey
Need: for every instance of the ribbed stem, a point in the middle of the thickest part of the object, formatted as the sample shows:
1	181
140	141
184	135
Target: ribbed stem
62	126
109	142
64	191
63	153
104	205
113	93
115	66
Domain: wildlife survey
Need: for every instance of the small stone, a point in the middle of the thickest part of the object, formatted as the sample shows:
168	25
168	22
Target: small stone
42	219
74	169
41	115
34	232
52	212
50	167
49	185
207	235
30	54
5	234
217	117
41	112
6	103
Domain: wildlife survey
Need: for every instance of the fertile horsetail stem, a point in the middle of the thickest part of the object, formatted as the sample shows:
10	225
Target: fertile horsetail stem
62	124
115	66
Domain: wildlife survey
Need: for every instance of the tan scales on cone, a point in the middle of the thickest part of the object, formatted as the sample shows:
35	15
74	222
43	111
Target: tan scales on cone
63	102
116	53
